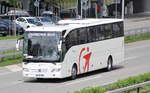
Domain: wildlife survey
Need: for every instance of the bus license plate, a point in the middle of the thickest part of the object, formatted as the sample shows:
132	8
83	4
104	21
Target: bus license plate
39	75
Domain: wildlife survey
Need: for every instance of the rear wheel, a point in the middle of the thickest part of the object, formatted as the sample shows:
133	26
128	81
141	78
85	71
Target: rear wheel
74	72
109	64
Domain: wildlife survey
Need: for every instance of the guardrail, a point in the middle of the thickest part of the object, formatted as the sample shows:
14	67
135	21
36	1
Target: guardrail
129	88
9	54
6	49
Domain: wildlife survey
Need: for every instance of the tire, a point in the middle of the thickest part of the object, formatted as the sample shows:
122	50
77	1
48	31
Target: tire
109	64
74	72
40	79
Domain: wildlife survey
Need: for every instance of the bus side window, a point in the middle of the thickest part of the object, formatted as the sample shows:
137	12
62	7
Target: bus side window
100	33
82	36
71	39
67	42
121	28
91	31
116	30
74	37
108	31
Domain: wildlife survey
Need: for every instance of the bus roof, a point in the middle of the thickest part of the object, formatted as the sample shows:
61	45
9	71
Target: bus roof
74	23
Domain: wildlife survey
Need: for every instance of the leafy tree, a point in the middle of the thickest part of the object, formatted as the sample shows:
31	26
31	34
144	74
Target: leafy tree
16	3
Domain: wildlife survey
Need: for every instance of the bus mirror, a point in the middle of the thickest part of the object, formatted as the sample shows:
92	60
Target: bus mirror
18	43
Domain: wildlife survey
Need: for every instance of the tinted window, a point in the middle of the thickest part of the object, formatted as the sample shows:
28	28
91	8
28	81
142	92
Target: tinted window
100	33
94	33
117	29
108	31
82	36
91	31
71	39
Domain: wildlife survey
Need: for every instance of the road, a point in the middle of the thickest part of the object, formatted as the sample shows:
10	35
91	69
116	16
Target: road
6	44
137	61
135	23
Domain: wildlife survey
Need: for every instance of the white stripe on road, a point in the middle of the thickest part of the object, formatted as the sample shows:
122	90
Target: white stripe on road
130	58
86	79
137	47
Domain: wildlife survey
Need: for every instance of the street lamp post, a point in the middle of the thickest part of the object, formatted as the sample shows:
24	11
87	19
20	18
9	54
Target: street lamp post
37	9
122	9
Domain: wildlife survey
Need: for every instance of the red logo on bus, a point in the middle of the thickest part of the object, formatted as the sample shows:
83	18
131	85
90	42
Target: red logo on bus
86	55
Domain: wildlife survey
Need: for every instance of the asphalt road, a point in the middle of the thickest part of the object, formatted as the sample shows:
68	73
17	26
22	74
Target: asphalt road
6	44
137	61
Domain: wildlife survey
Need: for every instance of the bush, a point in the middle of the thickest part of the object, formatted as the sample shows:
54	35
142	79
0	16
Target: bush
130	81
119	84
92	90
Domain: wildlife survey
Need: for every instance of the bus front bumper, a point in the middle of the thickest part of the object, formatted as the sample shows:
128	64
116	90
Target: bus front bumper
39	73
42	70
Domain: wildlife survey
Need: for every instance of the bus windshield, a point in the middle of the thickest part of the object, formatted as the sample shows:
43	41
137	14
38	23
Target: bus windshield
42	47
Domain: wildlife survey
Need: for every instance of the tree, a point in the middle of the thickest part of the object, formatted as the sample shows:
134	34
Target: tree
16	3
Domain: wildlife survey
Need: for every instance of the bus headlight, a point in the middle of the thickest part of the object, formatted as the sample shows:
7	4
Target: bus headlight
26	69
56	70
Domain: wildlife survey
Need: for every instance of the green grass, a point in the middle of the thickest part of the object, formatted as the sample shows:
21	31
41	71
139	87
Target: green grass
145	89
92	90
10	37
130	81
122	83
135	38
10	51
11	60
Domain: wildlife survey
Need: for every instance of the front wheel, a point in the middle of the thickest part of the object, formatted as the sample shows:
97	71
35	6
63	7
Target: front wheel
109	64
40	79
74	73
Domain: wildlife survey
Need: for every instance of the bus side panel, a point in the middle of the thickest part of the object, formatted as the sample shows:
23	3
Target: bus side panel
93	56
118	51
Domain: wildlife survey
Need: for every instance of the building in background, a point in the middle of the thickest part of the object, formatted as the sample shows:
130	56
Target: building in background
91	8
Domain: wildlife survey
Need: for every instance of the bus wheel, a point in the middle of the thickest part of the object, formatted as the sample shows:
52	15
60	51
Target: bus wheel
74	72
109	64
39	79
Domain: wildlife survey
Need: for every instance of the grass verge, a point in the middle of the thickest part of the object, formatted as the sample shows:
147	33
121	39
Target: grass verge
130	81
139	37
11	60
92	90
145	89
10	51
10	37
122	83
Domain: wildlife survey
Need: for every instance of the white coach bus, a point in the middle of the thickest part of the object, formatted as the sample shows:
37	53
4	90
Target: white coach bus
72	47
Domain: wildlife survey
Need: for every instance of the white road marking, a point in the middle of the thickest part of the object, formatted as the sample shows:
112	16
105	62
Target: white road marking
137	47
130	58
82	80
